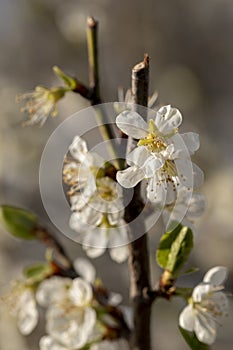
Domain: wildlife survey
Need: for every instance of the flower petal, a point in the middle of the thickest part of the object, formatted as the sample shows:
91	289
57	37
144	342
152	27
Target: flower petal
80	292
119	254
216	276
48	343
192	141
132	124
167	119
85	269
201	291
138	156
45	295
205	328
27	315
152	164
130	177
94	252
78	149
187	318
198	177
156	192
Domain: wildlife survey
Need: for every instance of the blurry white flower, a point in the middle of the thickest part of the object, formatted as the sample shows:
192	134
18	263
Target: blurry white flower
96	202
162	156
69	325
41	103
96	239
207	306
70	319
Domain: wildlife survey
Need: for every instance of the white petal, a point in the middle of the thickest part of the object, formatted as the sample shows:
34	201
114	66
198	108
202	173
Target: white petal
184	168
119	254
138	156
156	192
48	343
171	194
152	164
201	291
132	124
196	205
130	177
96	238
192	141
167	119
27	315
118	236
205	329
187	318
94	252
216	276
198	176
80	292
221	305
77	224
78	149
45	293
85	269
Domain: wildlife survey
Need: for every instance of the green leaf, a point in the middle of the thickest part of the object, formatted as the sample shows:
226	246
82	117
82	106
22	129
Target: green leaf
19	222
38	272
192	340
174	249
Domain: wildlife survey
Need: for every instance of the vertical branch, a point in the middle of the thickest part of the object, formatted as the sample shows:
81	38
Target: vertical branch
106	128
92	46
138	251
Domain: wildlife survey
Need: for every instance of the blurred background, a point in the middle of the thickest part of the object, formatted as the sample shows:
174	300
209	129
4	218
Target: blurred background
190	45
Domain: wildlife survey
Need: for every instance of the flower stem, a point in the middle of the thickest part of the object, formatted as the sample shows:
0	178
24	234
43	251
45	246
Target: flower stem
138	250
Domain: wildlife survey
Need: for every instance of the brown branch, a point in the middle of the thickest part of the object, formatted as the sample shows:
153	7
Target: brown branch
138	250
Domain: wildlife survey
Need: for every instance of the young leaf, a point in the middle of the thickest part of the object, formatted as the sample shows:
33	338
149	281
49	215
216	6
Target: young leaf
38	272
174	249
192	340
19	222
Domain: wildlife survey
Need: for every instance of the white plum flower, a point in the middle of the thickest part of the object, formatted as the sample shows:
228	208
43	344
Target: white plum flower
97	204
207	306
162	157
70	318
41	103
70	326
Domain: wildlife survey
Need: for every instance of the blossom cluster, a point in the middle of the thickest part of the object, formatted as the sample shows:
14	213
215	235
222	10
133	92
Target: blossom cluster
74	317
97	203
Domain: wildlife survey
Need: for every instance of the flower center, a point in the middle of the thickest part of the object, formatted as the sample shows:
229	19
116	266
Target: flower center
154	143
105	190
